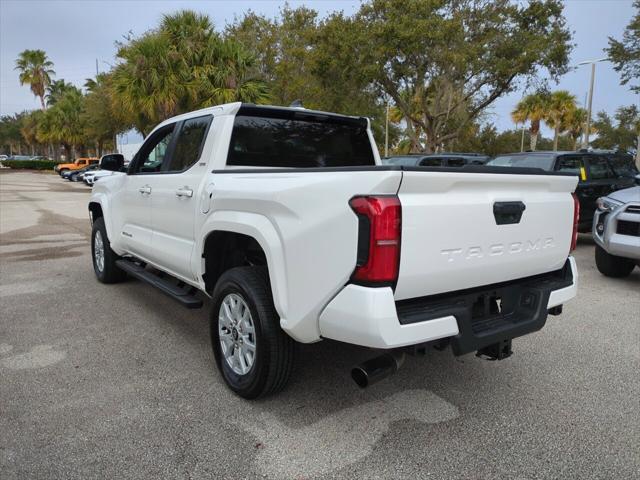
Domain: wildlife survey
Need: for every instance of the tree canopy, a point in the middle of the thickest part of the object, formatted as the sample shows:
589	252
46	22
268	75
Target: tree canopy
625	53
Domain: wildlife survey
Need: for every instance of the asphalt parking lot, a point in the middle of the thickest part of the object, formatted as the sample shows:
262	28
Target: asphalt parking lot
118	381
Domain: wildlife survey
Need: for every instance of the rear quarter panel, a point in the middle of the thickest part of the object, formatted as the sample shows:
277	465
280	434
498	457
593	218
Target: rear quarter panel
306	227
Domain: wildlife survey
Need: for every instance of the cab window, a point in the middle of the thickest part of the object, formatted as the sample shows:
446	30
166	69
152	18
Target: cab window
568	164
189	144
599	168
456	162
153	152
431	162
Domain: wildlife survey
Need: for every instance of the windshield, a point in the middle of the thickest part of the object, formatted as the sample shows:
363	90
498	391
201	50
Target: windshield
544	161
623	165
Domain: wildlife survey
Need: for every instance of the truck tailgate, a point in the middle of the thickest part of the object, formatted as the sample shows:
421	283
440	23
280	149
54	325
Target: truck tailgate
460	229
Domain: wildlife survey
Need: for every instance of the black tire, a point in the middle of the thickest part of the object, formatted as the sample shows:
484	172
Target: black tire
60	172
275	350
611	265
110	273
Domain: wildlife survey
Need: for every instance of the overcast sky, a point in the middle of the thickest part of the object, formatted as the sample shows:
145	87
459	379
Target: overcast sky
76	33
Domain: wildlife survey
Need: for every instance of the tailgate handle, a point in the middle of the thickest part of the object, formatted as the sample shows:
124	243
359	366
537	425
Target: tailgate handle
507	213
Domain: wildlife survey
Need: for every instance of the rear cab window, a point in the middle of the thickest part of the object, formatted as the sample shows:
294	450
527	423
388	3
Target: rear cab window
298	139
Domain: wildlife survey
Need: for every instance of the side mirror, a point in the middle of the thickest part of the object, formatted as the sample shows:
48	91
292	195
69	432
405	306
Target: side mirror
637	178
112	162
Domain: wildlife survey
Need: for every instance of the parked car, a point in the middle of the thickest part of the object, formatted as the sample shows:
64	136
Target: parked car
78	175
444	159
599	173
616	231
4	157
288	220
76	165
90	178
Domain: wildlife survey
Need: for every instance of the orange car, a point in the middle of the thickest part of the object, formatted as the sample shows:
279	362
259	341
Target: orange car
77	165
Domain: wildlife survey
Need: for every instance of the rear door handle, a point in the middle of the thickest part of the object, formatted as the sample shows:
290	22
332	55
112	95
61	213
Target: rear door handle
146	189
184	192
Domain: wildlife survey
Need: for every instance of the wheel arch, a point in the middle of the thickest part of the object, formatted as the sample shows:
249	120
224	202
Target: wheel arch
248	231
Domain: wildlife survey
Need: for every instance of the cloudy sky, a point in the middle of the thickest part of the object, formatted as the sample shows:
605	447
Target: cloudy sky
76	33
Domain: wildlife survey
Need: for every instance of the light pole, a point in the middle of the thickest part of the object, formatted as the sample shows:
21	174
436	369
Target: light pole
585	138
386	133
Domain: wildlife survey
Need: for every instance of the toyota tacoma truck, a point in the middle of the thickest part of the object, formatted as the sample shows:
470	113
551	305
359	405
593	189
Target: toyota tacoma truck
287	220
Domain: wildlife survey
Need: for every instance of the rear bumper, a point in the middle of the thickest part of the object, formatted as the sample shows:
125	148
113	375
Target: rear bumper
372	318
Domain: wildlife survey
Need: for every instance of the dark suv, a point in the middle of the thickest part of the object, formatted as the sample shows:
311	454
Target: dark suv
443	159
600	173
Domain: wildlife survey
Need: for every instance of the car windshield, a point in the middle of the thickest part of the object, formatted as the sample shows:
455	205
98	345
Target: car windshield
544	161
623	165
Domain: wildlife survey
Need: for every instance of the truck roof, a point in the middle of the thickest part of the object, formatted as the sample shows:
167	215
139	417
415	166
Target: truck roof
236	107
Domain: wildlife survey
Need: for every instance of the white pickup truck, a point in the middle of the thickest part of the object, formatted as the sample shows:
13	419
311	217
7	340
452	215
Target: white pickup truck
286	218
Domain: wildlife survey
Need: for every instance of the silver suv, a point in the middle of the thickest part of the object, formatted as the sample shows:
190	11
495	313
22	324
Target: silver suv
616	231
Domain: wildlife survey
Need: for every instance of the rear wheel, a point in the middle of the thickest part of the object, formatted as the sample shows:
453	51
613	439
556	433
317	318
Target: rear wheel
252	352
60	172
104	259
611	265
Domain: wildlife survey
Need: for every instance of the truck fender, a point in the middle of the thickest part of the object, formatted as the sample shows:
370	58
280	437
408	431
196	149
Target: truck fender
103	200
263	231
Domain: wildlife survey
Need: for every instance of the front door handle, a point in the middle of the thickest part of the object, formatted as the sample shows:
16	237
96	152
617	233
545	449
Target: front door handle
146	189
184	192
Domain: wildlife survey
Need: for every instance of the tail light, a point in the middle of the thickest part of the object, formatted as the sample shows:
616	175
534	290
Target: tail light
379	230
576	219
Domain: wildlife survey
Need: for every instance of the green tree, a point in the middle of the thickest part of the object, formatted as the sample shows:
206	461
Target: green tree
56	89
454	55
102	120
620	132
63	123
10	135
36	70
625	53
181	66
531	108
560	105
574	123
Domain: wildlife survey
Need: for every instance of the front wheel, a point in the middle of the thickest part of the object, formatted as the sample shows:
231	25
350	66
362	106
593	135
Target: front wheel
60	172
611	265
251	351
104	259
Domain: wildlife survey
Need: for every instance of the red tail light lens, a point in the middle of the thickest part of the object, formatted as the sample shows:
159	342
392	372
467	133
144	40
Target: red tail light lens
576	219
379	239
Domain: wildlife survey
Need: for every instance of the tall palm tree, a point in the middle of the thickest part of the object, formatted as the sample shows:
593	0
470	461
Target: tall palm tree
531	108
35	70
561	104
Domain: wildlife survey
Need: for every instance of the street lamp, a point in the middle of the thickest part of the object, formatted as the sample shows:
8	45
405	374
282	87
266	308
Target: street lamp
585	140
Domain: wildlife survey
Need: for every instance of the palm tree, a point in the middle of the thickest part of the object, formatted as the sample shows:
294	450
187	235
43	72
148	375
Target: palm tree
228	75
561	104
36	70
56	89
574	124
531	108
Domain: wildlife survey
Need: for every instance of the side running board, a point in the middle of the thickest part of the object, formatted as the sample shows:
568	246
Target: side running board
176	289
